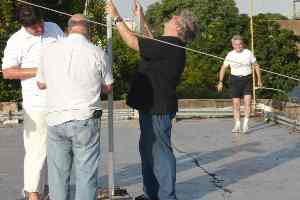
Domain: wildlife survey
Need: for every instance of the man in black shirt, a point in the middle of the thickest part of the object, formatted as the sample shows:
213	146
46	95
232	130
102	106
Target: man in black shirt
153	94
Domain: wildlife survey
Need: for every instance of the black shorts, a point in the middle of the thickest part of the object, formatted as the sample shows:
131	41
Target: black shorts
240	86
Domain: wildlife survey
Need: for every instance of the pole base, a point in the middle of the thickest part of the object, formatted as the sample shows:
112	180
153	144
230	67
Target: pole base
120	194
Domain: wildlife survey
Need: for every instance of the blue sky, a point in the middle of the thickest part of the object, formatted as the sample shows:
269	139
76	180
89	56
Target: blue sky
260	6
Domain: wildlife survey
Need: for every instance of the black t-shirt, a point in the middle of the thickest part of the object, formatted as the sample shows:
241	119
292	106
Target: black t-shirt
153	88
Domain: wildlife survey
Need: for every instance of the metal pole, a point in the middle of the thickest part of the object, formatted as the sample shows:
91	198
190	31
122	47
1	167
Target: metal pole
294	10
252	49
111	180
86	7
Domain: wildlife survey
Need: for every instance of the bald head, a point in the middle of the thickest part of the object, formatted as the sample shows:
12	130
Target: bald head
78	24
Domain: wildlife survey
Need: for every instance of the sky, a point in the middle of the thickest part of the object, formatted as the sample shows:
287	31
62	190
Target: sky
260	6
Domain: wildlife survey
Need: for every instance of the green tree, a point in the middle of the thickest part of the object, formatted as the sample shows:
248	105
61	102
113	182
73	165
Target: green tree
276	51
10	90
219	20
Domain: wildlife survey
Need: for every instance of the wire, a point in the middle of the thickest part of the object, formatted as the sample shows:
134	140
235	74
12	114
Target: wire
59	12
161	41
278	74
277	90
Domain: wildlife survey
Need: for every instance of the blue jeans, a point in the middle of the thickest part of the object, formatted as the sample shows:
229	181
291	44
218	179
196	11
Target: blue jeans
74	143
158	160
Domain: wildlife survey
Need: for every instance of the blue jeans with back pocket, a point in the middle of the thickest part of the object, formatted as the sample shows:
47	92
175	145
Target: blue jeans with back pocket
74	143
158	160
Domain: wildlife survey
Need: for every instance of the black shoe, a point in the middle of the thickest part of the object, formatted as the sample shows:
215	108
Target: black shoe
142	197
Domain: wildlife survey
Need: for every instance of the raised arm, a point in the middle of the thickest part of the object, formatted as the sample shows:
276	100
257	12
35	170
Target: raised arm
138	12
128	37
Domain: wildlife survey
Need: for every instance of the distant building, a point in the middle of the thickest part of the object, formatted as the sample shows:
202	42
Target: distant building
293	25
296	9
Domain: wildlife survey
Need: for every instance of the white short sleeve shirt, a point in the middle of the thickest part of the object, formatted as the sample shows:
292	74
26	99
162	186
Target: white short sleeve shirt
24	50
73	70
240	62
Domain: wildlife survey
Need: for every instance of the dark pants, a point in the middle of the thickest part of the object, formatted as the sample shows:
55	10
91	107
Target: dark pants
158	160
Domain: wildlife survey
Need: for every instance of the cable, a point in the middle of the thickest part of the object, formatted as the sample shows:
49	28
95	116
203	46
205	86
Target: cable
161	41
56	11
277	90
282	75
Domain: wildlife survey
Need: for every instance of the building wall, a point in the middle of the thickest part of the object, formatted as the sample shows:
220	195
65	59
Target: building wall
293	25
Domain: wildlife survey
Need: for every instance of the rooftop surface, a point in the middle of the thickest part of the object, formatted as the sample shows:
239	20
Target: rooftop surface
264	164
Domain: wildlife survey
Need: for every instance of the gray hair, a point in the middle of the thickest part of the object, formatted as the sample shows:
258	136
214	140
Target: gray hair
78	20
237	37
72	23
189	25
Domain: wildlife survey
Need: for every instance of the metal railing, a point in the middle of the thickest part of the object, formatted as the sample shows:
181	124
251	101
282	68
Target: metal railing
131	114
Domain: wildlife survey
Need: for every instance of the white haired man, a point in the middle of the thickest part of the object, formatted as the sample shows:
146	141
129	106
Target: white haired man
240	61
153	94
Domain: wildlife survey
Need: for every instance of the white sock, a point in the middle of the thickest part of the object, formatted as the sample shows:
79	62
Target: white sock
237	123
246	120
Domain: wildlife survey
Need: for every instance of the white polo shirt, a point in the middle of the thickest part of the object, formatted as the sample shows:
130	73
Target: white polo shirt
24	50
73	70
240	62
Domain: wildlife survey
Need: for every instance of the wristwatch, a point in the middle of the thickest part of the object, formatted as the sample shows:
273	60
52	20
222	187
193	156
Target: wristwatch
118	19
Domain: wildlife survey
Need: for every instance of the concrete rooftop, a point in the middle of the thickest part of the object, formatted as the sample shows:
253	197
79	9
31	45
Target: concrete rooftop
264	164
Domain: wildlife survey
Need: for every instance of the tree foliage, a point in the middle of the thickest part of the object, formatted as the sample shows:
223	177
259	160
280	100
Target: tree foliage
219	20
10	90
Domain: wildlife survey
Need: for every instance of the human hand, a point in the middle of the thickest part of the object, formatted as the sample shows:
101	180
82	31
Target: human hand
259	84
111	9
220	86
137	8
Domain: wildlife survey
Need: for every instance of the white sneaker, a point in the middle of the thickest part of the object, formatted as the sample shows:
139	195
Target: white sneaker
236	128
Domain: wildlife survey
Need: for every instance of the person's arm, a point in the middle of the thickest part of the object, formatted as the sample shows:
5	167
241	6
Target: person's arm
128	37
256	70
106	73
15	72
11	63
40	76
138	12
221	77
258	75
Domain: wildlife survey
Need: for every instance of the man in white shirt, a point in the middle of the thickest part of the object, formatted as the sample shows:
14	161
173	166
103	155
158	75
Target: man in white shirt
74	72
240	61
21	60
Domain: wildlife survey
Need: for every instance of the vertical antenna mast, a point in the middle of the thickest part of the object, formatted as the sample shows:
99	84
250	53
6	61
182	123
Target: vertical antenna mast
252	49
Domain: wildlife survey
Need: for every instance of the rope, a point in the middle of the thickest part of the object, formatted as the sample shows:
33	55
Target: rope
276	90
217	181
282	75
59	12
161	41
